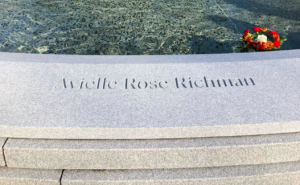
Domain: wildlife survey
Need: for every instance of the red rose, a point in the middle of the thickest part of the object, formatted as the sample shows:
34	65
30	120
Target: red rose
246	32
277	43
271	32
255	45
257	29
262	46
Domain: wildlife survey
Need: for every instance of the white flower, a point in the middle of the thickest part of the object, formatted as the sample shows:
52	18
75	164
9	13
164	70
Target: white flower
262	38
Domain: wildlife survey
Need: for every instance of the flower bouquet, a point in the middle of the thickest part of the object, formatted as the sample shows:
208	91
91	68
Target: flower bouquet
261	40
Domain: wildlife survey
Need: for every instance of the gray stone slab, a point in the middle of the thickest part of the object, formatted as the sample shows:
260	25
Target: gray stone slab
150	144
282	173
149	100
9	176
152	154
2	161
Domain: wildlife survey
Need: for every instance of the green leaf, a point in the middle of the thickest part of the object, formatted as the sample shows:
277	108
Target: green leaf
242	45
244	50
282	39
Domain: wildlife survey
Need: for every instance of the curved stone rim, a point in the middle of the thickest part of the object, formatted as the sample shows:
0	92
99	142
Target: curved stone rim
148	59
149	133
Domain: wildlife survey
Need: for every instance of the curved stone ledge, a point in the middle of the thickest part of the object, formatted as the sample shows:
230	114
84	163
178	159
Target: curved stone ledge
9	176
273	179
152	154
150	133
273	174
39	98
148	59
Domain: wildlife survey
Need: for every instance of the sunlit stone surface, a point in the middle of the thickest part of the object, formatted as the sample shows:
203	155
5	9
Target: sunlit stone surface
148	96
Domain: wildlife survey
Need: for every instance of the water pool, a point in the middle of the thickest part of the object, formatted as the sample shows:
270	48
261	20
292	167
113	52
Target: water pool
141	27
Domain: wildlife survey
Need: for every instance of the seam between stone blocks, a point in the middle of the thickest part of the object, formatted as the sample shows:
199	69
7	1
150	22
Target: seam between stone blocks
3	151
61	176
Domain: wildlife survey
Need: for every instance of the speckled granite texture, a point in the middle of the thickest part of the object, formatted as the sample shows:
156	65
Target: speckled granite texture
271	174
152	154
38	101
108	27
13	176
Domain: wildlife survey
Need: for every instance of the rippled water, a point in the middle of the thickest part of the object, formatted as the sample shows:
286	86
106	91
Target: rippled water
108	27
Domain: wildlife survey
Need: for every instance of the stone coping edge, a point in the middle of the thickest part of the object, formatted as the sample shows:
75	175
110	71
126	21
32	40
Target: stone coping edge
274	179
148	59
275	174
149	133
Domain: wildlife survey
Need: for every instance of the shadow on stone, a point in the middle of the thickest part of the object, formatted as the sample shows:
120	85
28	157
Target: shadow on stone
207	45
271	8
293	40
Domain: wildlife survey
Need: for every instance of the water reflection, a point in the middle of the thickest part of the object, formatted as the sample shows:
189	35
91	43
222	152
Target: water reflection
139	26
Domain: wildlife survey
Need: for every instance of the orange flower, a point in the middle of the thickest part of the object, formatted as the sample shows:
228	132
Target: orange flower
263	29
247	37
269	45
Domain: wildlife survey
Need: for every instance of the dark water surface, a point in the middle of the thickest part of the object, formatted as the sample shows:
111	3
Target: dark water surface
143	27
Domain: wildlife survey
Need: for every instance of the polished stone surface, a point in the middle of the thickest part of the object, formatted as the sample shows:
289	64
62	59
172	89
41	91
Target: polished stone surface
59	96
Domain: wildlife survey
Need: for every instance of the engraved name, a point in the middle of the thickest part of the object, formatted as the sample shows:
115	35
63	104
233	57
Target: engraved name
178	83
